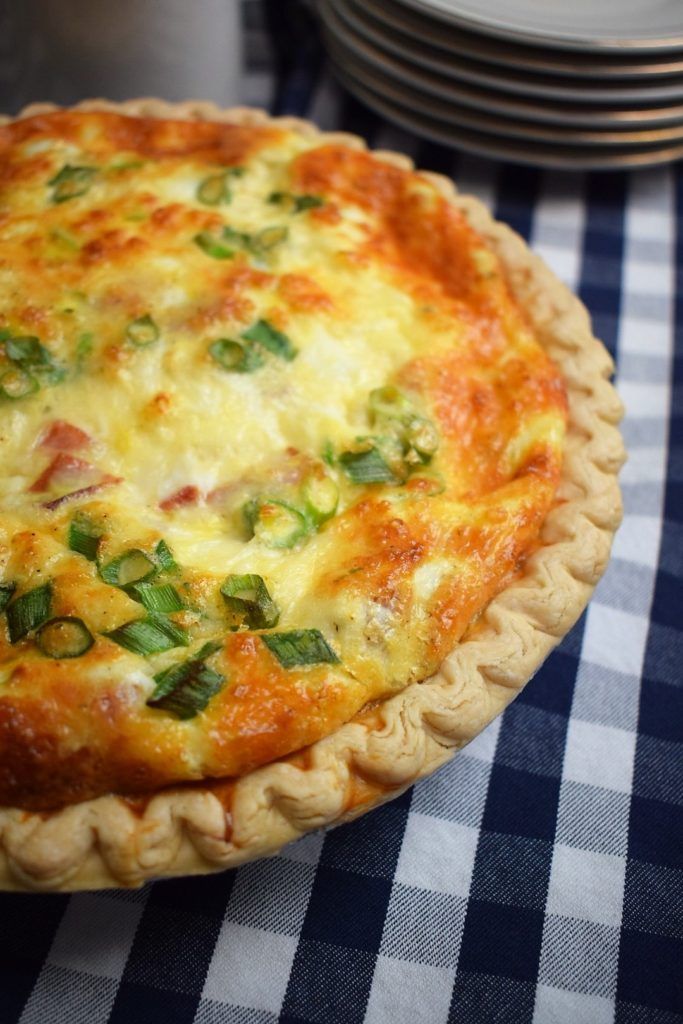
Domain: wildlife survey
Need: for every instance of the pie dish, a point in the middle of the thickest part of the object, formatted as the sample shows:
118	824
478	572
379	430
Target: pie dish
309	465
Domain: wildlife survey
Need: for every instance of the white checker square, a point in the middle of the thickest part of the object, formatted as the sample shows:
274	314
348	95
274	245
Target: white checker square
483	746
562	261
599	755
648	277
560	1006
403	992
95	935
437	855
614	639
63	995
637	540
586	885
424	927
250	967
644	399
645	465
649	337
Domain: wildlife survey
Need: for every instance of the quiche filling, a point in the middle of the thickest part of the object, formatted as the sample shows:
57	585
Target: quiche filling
273	433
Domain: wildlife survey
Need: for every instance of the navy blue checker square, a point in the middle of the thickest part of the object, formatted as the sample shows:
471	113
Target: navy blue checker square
532	740
656	832
650	971
521	803
327	983
346	909
502	940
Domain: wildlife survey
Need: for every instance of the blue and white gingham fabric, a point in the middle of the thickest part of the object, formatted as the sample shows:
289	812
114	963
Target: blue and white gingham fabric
537	879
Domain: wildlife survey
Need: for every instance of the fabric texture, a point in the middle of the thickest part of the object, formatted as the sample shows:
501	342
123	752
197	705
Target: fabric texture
536	879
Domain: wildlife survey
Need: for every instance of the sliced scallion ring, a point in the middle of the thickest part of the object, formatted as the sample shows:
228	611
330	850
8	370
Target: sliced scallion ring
28	612
421	439
143	331
275	523
249	602
300	647
263	333
184	690
133	566
71	182
64	637
214	190
151	635
367	466
162	597
6	591
267	239
84	536
17	383
388	403
235	357
213	246
164	557
321	497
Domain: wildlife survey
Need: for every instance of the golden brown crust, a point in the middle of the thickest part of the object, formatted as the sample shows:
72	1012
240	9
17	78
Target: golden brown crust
109	841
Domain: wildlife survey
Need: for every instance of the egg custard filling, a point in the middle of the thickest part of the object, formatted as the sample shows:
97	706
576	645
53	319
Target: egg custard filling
273	432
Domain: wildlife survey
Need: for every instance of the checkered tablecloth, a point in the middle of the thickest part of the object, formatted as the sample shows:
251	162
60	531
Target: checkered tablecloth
537	879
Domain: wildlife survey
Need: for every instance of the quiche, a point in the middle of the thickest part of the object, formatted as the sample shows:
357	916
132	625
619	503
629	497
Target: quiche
307	464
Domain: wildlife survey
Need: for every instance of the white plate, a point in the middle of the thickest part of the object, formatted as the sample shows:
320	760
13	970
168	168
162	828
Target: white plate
511	81
455	115
565	158
398	63
388	15
641	25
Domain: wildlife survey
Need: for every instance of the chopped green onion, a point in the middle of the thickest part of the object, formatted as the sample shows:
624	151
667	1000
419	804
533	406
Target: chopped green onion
71	182
212	246
303	203
299	203
300	647
214	190
235	357
263	333
274	523
5	333
17	383
133	566
388	403
29	611
421	439
248	600
143	331
64	637
151	635
28	353
6	591
157	598
164	557
267	239
321	497
327	454
367	467
184	690
84	536
83	349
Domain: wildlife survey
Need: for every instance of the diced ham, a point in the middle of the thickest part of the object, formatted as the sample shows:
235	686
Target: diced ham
82	492
61	436
65	470
188	495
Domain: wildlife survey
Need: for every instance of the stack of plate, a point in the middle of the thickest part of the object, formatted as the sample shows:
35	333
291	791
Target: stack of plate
580	84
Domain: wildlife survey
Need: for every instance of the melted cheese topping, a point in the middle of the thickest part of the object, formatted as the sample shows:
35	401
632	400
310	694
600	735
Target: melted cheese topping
374	281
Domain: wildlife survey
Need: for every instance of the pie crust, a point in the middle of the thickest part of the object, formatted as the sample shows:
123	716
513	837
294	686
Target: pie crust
195	829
